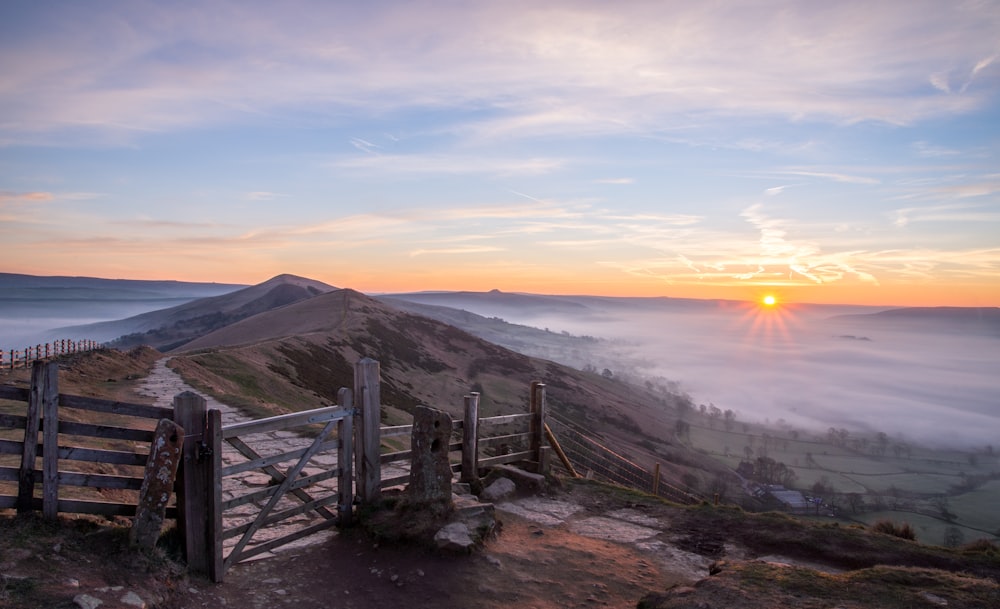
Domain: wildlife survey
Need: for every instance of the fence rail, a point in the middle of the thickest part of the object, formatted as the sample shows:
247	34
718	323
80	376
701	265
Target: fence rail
74	454
22	358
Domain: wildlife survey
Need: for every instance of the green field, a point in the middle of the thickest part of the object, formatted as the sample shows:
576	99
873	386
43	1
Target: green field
930	489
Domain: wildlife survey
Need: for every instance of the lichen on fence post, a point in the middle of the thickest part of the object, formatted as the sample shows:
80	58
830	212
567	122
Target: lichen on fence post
161	469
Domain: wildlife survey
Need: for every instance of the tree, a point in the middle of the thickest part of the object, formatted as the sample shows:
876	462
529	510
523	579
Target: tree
729	419
953	537
606	373
682	429
855	501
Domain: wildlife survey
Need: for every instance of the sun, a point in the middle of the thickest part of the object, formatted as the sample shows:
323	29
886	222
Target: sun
769	300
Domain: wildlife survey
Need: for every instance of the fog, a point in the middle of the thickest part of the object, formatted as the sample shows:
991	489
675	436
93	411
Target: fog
29	322
812	367
932	381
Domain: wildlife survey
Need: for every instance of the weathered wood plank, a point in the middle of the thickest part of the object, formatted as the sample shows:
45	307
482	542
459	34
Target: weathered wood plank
276	517
193	494
11	447
368	396
99	481
18	394
285	421
14	421
143	411
511	458
213	437
266	492
33	415
9	474
275	543
108	432
470	439
101	508
96	455
345	456
396	430
504	419
8	501
50	437
258	462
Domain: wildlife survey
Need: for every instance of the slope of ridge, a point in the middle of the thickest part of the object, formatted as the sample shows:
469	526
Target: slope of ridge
171	327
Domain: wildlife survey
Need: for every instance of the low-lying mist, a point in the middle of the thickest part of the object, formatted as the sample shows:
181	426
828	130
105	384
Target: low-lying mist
811	367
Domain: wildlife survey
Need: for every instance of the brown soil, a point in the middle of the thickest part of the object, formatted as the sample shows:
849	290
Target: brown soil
525	566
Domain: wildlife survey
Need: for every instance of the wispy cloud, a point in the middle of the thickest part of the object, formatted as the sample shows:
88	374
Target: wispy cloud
564	68
263	195
621	181
461	251
454	164
25	197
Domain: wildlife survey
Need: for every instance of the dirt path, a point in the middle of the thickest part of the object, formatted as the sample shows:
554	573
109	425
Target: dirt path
551	552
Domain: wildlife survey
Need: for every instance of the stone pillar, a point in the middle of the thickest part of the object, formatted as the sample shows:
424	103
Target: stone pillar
430	471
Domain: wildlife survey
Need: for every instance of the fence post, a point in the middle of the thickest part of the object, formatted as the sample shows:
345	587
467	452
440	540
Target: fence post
44	382
213	472
470	439
50	439
193	498
536	426
656	479
345	433
367	389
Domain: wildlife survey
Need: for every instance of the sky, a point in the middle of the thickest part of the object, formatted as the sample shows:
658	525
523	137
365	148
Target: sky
829	152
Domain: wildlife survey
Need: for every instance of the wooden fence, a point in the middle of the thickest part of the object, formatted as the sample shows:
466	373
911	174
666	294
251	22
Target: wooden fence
21	358
75	455
202	497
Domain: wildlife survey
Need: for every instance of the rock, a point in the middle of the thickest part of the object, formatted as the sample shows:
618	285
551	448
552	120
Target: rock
430	470
933	598
525	481
461	488
455	537
499	490
86	601
133	600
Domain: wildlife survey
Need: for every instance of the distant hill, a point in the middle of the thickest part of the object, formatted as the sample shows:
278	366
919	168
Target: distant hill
169	328
15	286
984	321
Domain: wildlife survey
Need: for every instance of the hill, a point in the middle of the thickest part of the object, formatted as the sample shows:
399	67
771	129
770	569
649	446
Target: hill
981	321
298	356
168	328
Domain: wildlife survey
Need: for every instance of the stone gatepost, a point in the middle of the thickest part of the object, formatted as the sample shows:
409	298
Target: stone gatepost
430	471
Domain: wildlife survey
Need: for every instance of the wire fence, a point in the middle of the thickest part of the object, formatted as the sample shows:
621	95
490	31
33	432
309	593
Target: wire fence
594	460
22	358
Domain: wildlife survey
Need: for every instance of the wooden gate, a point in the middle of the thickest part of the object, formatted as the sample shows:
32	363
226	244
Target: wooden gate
251	495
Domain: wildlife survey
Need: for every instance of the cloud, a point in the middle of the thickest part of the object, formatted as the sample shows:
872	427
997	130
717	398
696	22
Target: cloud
25	197
527	70
364	145
456	164
461	251
263	195
622	181
828	175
